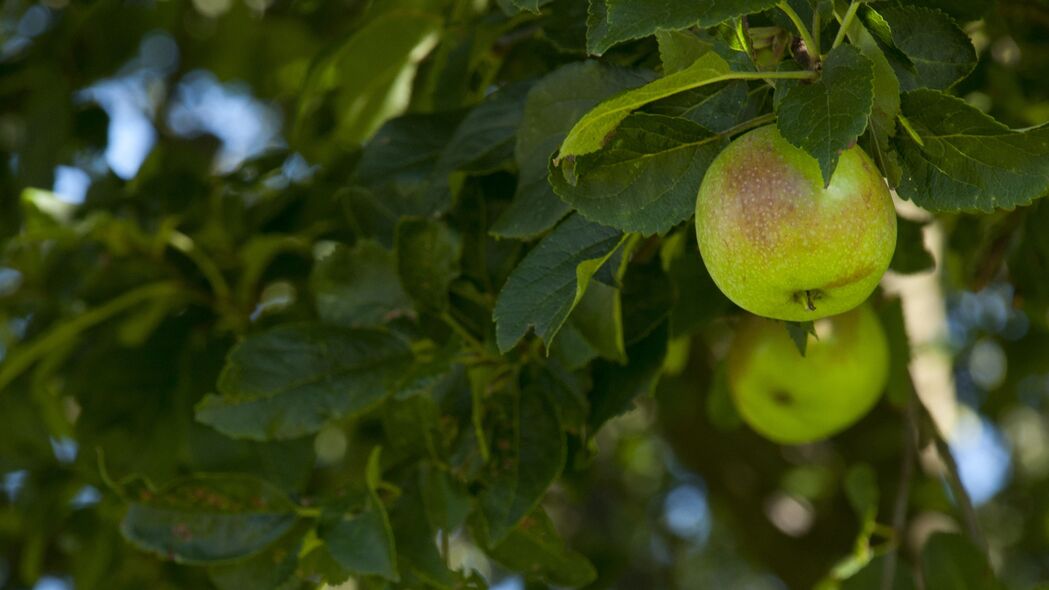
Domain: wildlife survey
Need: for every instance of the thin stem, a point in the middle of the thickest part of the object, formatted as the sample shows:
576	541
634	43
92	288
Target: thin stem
307	512
846	22
748	43
477	417
465	334
817	26
20	360
806	36
207	266
785	75
750	124
961	495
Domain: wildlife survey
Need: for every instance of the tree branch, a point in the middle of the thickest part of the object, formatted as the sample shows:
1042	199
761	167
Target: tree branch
903	491
961	496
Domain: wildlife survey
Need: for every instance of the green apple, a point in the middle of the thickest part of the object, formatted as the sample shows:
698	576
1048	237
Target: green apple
778	243
793	399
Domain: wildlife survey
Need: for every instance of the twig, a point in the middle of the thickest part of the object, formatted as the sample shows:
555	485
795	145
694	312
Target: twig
961	496
21	359
465	334
749	124
784	75
846	22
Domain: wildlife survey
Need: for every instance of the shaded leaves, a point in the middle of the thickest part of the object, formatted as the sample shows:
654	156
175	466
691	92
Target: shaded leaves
553	105
535	548
956	158
206	520
528	453
826	116
645	180
550	281
289	381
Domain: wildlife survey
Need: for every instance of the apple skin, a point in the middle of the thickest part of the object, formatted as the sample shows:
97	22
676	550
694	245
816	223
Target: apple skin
778	243
792	399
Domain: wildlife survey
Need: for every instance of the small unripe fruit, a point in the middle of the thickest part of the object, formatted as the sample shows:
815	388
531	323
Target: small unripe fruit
778	243
793	399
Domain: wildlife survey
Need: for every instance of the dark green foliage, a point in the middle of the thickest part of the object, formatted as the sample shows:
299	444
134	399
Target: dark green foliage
450	323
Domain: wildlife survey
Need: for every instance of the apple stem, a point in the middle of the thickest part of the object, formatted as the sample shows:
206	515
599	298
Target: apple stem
808	300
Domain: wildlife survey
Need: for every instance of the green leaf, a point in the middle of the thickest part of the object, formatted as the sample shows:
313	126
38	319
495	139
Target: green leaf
358	286
698	300
209	519
956	158
825	117
1028	262
445	500
550	281
964	10
646	178
412	517
368	73
571	349
289	381
679	49
616	386
554	104
427	261
528	452
799	333
411	426
362	543
598	319
861	488
567	389
407	163
485	139
951	562
717	107
372	214
287	464
535	549
273	568
594	130
900	389
648	297
886	107
317	563
530	5
615	21
910	256
599	37
940	52
870	577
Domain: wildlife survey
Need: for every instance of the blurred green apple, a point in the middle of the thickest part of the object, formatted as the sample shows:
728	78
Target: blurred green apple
793	399
778	243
